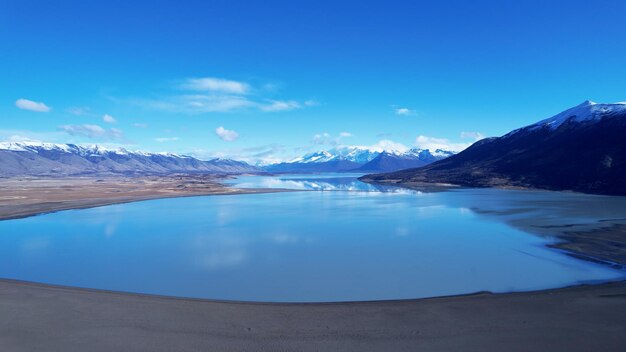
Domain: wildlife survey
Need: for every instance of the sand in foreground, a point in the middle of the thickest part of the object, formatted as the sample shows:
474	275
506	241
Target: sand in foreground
52	318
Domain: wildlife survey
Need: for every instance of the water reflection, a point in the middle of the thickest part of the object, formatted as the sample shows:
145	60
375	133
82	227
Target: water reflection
538	212
361	243
318	182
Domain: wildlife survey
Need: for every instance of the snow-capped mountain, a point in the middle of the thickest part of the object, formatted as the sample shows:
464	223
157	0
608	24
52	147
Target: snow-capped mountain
359	155
388	162
586	112
360	159
35	158
581	149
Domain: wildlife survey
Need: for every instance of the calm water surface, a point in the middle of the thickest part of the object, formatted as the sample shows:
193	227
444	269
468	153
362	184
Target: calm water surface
345	240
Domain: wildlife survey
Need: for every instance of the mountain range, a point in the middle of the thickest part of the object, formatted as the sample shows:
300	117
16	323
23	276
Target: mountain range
360	159
36	158
580	149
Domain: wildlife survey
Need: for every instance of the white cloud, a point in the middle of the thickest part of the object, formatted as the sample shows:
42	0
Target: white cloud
19	138
92	131
209	94
226	135
78	110
213	84
26	104
405	112
108	118
323	138
26	135
166	139
214	103
381	146
326	138
388	145
140	125
472	135
310	103
264	154
196	104
278	105
434	143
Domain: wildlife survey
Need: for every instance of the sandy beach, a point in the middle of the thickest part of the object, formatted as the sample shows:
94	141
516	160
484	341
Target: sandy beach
38	317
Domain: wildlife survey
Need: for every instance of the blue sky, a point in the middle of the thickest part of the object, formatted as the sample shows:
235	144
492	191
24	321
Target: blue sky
273	79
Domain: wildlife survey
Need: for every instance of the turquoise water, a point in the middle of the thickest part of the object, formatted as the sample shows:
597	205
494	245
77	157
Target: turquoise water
344	241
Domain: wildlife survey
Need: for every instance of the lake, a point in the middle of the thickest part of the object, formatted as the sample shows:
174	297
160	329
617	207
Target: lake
336	239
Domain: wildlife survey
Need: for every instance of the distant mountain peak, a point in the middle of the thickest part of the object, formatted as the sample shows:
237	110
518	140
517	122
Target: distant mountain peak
38	158
587	103
582	149
587	111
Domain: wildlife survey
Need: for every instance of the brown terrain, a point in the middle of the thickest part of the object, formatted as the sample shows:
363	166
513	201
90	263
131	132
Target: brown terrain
37	317
26	196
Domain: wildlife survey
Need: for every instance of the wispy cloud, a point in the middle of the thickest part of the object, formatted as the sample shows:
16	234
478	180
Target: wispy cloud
78	110
434	143
226	135
108	118
18	138
278	105
211	95
264	154
404	111
26	135
26	104
92	131
380	146
388	145
213	84
166	139
326	138
472	135
140	125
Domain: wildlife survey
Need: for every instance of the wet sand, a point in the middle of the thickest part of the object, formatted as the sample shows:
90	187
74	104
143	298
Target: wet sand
26	196
39	317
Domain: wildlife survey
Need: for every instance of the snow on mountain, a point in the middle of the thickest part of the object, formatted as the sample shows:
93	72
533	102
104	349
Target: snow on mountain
36	158
381	157
362	155
83	150
355	154
587	111
316	157
581	149
35	146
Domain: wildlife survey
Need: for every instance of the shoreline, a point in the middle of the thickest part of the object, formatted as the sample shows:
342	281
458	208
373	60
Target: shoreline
49	195
94	203
582	286
606	246
44	195
59	318
39	316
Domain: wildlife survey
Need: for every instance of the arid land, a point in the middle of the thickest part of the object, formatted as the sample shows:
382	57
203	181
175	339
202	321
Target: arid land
25	196
37	317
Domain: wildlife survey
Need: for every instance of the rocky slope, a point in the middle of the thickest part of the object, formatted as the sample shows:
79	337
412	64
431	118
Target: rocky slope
581	149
